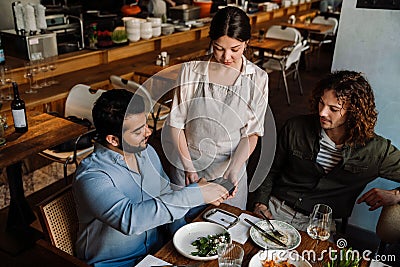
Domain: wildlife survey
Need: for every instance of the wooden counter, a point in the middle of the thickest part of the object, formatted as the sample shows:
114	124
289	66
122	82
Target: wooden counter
93	67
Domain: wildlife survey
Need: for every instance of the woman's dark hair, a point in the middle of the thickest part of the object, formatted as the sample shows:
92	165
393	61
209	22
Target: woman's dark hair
110	109
354	90
230	21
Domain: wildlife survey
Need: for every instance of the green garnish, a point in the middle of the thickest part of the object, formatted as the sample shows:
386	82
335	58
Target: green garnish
207	246
345	258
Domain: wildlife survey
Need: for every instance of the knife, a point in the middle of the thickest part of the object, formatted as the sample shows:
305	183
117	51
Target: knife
264	233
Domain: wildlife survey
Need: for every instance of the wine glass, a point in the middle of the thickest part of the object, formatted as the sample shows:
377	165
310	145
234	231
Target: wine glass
29	75
6	79
35	71
319	227
44	67
52	68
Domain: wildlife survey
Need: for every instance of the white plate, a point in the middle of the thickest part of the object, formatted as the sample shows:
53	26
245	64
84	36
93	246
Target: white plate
291	237
184	237
278	255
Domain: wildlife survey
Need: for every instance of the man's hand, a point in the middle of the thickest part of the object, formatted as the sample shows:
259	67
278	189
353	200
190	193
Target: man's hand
376	198
258	207
191	177
213	193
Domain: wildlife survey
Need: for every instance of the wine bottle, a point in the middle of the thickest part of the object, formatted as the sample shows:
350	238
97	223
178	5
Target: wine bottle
18	111
2	57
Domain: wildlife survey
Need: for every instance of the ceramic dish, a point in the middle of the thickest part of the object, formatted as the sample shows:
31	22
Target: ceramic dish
181	28
187	234
278	256
291	237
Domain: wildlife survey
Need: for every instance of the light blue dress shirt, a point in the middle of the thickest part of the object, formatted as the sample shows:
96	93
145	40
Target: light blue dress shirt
119	209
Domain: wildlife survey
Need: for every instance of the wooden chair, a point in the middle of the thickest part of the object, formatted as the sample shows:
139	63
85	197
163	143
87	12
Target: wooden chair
59	219
79	103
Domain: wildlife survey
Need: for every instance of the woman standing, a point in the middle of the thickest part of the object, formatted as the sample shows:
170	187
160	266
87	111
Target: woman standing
218	109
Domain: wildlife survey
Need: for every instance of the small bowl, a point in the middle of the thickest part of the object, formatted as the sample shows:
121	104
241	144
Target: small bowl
182	28
167	29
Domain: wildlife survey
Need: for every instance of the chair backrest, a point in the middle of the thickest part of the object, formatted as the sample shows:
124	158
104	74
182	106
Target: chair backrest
121	83
294	55
80	101
59	219
327	21
388	226
284	33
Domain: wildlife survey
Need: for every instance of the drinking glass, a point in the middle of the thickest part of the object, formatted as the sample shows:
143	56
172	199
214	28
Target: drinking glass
230	255
52	68
44	67
29	75
6	79
35	71
319	227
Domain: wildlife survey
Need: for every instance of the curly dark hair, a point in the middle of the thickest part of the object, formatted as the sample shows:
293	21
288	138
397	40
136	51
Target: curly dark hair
355	91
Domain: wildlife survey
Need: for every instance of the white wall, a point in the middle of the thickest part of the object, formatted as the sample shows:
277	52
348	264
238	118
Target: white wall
369	41
6	18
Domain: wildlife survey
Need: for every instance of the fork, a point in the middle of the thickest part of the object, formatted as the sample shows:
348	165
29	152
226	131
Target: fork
274	231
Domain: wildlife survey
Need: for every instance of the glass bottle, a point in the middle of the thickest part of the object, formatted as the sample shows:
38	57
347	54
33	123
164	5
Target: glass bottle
18	111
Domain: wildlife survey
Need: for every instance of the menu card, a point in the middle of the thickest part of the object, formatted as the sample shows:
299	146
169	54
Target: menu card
150	260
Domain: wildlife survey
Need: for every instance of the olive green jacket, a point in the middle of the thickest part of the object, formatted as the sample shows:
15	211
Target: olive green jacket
298	179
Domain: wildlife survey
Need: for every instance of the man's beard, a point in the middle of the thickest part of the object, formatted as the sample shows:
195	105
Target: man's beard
127	148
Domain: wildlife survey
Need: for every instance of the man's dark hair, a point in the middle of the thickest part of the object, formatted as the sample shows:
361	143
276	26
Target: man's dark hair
110	110
354	90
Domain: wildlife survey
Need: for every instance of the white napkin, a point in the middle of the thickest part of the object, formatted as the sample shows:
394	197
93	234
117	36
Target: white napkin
150	260
40	16
29	17
19	17
241	231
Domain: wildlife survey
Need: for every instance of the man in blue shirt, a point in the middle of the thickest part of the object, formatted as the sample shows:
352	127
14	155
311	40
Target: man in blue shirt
121	191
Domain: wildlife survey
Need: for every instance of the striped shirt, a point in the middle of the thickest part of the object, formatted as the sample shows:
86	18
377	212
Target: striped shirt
329	153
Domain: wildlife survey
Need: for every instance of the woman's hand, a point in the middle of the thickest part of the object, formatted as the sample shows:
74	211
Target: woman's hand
191	177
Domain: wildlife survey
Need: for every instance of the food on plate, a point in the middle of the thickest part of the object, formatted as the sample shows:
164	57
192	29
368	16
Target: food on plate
207	246
272	263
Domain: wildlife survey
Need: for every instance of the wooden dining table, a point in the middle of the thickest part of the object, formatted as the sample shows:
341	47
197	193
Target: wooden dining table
169	254
44	131
272	45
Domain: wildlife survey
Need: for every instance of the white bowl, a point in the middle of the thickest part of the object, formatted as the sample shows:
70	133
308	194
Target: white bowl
133	37
167	28
184	237
132	30
155	21
132	23
278	255
156	31
182	28
145	26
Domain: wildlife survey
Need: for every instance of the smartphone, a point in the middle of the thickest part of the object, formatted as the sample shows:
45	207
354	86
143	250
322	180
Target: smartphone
221	217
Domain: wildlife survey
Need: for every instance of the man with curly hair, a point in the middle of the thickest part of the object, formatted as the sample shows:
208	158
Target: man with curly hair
330	155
